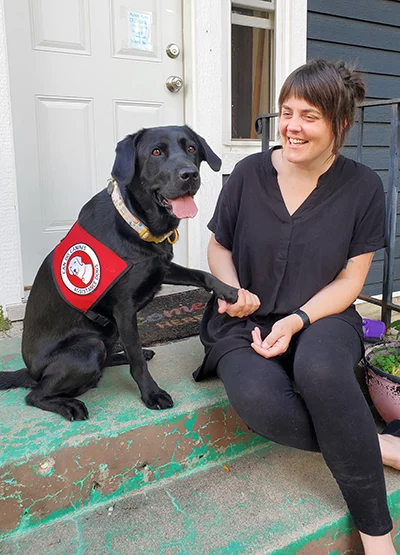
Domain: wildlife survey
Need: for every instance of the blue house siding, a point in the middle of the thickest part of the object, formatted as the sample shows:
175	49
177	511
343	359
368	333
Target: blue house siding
366	32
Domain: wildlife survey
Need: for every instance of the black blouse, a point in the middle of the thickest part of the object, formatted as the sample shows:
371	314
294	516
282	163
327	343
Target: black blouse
286	259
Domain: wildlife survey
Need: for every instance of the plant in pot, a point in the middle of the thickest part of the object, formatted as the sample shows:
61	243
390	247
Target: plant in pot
383	379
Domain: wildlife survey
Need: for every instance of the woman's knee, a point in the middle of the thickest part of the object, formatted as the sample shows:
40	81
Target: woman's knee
331	340
256	392
261	412
261	393
324	368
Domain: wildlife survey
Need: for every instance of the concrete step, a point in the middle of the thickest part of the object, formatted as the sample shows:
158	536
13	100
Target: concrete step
190	480
274	501
50	467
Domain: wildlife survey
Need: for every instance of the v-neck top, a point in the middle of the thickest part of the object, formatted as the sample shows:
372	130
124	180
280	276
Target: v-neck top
286	259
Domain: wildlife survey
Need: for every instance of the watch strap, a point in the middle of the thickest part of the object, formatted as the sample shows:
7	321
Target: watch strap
304	317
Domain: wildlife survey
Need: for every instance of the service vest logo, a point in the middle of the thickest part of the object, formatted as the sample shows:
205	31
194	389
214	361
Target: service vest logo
84	269
80	269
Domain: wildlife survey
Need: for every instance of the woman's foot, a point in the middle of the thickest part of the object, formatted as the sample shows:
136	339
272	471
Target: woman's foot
390	449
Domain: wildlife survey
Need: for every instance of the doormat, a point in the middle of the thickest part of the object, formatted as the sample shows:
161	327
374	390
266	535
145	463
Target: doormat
172	317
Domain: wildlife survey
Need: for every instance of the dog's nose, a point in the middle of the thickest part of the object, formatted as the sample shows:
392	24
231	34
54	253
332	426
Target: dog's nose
187	173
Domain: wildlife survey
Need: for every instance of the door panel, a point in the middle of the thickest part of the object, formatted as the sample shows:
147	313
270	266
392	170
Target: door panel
60	26
131	115
74	117
83	74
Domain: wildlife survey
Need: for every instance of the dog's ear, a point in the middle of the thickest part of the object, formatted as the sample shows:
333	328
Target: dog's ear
125	160
208	154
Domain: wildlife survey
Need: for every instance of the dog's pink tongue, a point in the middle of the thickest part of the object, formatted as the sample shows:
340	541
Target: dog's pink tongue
183	207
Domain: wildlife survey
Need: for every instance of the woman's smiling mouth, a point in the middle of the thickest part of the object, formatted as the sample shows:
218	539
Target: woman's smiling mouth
293	141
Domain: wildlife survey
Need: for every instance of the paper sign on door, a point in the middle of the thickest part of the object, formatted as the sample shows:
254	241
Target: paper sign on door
139	33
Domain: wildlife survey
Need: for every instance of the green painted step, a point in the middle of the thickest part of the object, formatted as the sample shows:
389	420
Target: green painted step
50	467
274	501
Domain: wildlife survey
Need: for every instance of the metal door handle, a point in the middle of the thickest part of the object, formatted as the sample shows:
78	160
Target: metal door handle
173	50
174	83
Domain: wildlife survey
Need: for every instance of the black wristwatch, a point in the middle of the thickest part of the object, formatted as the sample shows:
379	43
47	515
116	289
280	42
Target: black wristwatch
304	317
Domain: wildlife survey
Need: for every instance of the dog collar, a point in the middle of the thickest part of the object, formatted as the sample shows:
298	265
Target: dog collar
143	231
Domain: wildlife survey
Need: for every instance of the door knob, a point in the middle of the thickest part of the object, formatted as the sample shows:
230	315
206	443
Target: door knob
174	83
173	50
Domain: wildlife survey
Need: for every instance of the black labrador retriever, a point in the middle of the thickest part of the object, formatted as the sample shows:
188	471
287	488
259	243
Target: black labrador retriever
65	349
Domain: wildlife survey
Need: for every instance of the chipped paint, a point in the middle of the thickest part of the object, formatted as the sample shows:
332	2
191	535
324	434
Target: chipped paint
45	467
199	518
114	408
112	466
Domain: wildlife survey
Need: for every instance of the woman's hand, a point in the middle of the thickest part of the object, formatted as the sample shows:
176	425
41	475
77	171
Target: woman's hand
277	341
246	304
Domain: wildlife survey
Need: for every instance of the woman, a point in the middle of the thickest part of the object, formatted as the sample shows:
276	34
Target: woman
295	229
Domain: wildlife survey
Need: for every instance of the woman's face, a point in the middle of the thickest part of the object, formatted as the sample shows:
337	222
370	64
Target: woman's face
307	136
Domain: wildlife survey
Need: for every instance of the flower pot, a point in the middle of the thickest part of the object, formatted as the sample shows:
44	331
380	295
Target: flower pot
383	388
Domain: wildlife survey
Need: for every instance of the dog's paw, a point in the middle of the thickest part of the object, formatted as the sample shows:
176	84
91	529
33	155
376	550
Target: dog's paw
228	294
72	409
158	399
148	354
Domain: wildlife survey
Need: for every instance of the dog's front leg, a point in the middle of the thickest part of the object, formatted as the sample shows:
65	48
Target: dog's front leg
179	275
152	395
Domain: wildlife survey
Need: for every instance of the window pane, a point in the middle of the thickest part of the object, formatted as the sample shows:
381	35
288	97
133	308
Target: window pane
251	74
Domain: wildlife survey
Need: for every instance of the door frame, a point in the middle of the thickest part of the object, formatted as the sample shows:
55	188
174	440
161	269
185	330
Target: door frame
11	286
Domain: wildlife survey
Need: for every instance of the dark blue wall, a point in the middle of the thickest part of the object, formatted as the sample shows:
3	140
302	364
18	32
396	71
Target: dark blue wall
366	32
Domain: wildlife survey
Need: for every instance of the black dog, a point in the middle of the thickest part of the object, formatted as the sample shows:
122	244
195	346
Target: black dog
65	349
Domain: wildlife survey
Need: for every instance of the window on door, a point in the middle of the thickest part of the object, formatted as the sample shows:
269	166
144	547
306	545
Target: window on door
252	64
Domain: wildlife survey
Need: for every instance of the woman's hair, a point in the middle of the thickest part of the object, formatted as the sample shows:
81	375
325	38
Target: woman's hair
335	88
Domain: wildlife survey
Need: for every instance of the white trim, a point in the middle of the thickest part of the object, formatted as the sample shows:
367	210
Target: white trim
11	281
194	225
205	61
226	76
255	4
251	21
290	39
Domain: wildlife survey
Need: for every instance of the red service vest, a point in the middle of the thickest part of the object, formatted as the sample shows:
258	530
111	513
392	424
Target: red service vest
84	269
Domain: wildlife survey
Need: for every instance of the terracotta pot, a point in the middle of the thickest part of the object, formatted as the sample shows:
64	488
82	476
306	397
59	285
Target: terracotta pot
383	388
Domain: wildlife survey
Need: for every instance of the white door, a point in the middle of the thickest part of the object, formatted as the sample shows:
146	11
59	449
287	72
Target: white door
83	74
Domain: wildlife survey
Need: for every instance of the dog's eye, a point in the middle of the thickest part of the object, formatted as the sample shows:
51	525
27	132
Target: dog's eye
156	152
191	149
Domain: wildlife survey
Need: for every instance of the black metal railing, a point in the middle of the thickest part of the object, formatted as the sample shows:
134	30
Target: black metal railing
263	127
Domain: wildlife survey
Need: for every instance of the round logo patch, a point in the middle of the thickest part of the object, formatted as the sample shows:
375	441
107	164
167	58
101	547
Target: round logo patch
80	269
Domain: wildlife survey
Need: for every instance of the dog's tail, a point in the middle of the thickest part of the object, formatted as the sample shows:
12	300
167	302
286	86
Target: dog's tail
19	378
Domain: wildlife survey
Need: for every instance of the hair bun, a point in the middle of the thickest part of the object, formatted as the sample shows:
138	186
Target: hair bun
352	80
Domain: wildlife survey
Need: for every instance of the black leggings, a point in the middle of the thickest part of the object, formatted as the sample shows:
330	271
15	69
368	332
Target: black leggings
327	414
